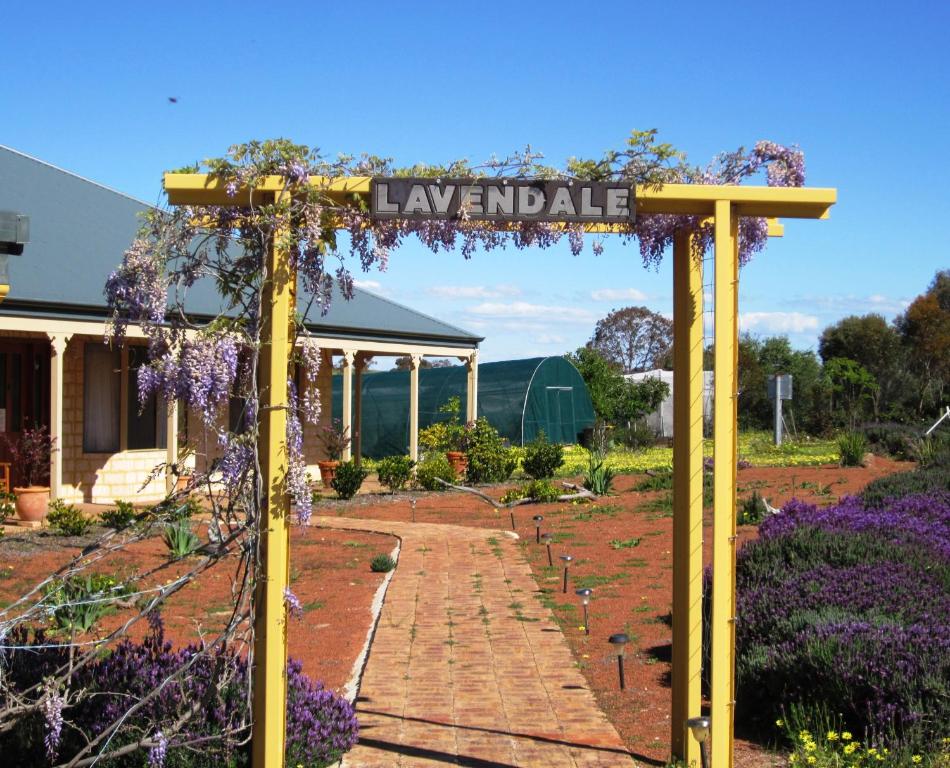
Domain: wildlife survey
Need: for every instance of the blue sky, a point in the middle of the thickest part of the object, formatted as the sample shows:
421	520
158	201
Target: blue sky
863	88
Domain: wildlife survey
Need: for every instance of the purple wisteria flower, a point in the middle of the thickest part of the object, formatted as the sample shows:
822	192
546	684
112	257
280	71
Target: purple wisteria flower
158	753
294	606
53	720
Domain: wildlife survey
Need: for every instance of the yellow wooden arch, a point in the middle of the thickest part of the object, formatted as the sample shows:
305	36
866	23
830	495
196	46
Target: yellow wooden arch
723	205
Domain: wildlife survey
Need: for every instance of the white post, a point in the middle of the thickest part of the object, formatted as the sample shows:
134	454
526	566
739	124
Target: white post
58	344
471	401
414	361
361	363
349	356
171	445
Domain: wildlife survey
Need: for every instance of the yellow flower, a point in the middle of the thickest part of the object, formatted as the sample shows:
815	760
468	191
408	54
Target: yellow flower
812	760
849	748
879	758
793	759
780	723
832	736
846	735
872	750
810	746
917	759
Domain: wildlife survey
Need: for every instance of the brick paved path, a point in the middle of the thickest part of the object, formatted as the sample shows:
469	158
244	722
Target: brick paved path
467	667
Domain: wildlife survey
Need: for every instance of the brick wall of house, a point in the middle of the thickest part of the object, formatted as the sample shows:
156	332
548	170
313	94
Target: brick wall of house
99	477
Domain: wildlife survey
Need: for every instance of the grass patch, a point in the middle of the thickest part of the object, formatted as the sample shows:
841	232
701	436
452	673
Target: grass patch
625	543
592	580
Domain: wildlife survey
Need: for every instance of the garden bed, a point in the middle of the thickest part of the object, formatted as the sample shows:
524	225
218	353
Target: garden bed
329	572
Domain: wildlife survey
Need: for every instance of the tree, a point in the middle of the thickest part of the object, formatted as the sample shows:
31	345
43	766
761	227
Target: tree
925	330
851	383
402	363
634	338
615	398
876	347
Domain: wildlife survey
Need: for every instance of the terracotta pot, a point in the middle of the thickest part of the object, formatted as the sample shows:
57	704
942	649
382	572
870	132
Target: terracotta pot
458	460
32	503
181	482
327	471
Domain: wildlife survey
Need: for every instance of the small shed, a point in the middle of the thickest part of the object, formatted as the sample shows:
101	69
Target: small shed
520	398
661	420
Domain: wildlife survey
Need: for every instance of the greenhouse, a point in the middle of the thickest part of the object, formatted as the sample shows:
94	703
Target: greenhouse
520	398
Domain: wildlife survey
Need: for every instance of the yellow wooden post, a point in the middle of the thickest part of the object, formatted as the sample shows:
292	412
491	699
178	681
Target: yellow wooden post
724	479
687	495
270	627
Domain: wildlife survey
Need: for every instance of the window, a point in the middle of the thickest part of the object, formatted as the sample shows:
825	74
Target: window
101	383
146	425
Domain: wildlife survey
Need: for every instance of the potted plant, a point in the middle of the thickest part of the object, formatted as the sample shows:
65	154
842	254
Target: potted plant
335	440
31	455
448	436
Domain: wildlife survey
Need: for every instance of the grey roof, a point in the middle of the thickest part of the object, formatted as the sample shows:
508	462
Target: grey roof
79	230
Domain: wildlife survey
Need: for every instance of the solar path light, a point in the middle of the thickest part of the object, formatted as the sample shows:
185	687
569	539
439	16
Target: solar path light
699	726
547	539
538	519
567	564
620	640
584	595
412	503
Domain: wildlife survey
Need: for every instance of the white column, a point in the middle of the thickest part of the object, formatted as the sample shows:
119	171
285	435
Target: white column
361	363
171	445
471	400
347	422
58	344
414	361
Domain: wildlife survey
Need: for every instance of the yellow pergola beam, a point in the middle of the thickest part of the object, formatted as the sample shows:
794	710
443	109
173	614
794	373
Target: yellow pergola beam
689	199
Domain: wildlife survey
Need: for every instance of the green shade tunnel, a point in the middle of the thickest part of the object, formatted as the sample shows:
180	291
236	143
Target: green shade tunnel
519	398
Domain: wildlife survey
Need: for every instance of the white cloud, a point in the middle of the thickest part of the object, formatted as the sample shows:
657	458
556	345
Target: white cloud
532	312
368	285
618	294
849	303
778	322
549	338
474	291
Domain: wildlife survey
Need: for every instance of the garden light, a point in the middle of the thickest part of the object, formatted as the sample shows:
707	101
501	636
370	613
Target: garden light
547	539
567	563
584	595
620	640
412	503
537	527
699	726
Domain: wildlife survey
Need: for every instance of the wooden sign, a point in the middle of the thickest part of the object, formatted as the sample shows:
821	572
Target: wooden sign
502	200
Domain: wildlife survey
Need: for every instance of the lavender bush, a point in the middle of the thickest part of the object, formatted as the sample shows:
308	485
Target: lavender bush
846	609
210	689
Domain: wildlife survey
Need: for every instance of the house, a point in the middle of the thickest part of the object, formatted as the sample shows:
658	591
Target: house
56	370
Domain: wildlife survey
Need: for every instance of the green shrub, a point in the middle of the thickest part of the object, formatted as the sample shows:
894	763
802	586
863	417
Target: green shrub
543	491
598	478
382	564
180	539
661	480
932	451
348	479
877	492
891	439
447	434
7	507
490	460
750	511
435	467
395	471
78	602
67	519
120	517
638	435
852	446
541	458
